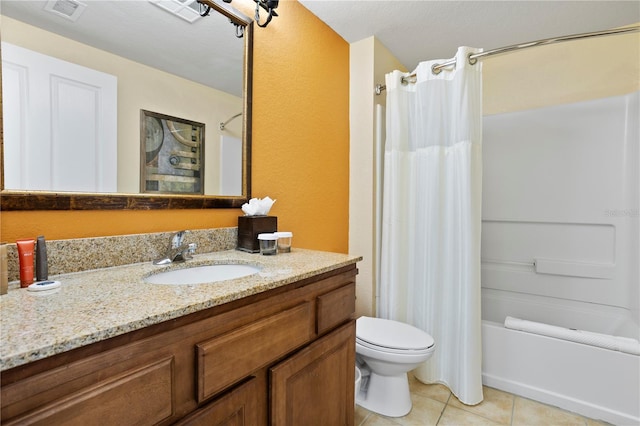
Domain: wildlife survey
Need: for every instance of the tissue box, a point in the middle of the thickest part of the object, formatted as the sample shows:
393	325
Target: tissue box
248	229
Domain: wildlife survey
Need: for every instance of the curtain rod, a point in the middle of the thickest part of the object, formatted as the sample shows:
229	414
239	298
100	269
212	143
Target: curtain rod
473	58
222	125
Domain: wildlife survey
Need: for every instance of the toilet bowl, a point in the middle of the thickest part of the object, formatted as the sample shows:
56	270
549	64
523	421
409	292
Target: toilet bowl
385	351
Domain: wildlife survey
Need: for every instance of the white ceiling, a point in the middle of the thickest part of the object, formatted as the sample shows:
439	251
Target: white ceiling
416	31
208	51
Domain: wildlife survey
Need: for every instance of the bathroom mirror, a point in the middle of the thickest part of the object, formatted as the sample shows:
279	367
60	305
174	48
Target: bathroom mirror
205	74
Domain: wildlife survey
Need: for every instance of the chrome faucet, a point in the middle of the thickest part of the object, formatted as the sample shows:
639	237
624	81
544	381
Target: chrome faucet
178	250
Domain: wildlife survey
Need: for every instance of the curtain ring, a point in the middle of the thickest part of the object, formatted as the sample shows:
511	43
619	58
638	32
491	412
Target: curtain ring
435	70
472	61
239	29
206	11
408	79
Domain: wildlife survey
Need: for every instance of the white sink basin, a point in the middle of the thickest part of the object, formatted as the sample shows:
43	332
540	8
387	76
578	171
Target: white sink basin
202	274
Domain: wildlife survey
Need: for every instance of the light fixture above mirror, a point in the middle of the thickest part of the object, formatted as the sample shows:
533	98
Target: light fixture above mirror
269	6
189	10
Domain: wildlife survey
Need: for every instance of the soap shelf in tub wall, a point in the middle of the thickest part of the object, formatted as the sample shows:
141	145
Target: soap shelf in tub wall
574	269
566	268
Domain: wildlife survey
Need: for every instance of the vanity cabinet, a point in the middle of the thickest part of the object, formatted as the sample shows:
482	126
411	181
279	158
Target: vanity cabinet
283	357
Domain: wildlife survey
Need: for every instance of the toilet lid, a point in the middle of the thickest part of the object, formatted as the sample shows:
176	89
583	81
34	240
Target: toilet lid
392	334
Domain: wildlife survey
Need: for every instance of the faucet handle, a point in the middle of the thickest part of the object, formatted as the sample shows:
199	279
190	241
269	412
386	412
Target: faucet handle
177	239
192	248
190	251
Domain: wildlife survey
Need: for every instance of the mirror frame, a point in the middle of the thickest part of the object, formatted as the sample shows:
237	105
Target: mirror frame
12	200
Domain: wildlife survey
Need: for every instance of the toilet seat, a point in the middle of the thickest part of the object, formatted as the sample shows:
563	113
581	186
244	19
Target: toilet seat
392	336
392	350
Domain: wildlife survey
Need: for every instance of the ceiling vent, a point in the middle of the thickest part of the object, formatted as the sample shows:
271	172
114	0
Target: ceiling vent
189	10
69	9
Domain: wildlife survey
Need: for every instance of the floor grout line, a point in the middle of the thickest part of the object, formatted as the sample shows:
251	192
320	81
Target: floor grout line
446	404
446	401
513	409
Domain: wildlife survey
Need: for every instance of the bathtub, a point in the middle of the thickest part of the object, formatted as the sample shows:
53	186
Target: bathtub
597	383
560	246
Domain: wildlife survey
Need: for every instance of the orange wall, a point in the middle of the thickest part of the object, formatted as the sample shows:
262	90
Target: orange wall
300	146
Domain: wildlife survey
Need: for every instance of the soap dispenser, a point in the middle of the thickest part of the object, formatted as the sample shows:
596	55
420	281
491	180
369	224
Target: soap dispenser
42	267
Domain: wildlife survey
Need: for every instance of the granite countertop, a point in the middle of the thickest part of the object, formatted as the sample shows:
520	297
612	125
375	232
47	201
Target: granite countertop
96	305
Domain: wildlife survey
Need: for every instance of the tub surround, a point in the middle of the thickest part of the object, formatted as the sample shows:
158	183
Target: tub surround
560	247
96	305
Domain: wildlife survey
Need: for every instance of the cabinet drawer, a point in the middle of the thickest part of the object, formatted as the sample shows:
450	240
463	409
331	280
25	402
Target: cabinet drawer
335	307
139	396
230	357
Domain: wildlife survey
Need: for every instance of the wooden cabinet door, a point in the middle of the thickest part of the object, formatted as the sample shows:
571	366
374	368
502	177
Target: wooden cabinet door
237	408
316	385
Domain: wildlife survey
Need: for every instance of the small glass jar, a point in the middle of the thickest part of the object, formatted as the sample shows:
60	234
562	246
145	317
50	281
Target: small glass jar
268	244
284	241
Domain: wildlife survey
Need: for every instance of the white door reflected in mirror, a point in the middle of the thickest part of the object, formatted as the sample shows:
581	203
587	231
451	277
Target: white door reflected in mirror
61	132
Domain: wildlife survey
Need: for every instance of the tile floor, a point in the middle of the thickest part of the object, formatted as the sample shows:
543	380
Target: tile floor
435	405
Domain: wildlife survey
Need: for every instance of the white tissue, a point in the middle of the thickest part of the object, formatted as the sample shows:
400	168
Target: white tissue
257	206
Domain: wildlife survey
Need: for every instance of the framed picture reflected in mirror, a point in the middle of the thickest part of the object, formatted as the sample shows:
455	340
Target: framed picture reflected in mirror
171	154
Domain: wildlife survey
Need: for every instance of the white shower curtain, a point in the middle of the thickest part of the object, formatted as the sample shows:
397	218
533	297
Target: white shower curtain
430	255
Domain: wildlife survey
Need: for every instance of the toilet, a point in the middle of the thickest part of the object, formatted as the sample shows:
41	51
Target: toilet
385	351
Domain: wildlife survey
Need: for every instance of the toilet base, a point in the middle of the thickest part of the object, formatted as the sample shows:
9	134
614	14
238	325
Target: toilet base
386	395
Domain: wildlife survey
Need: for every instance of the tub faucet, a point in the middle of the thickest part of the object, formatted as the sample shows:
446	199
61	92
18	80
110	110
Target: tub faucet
178	250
